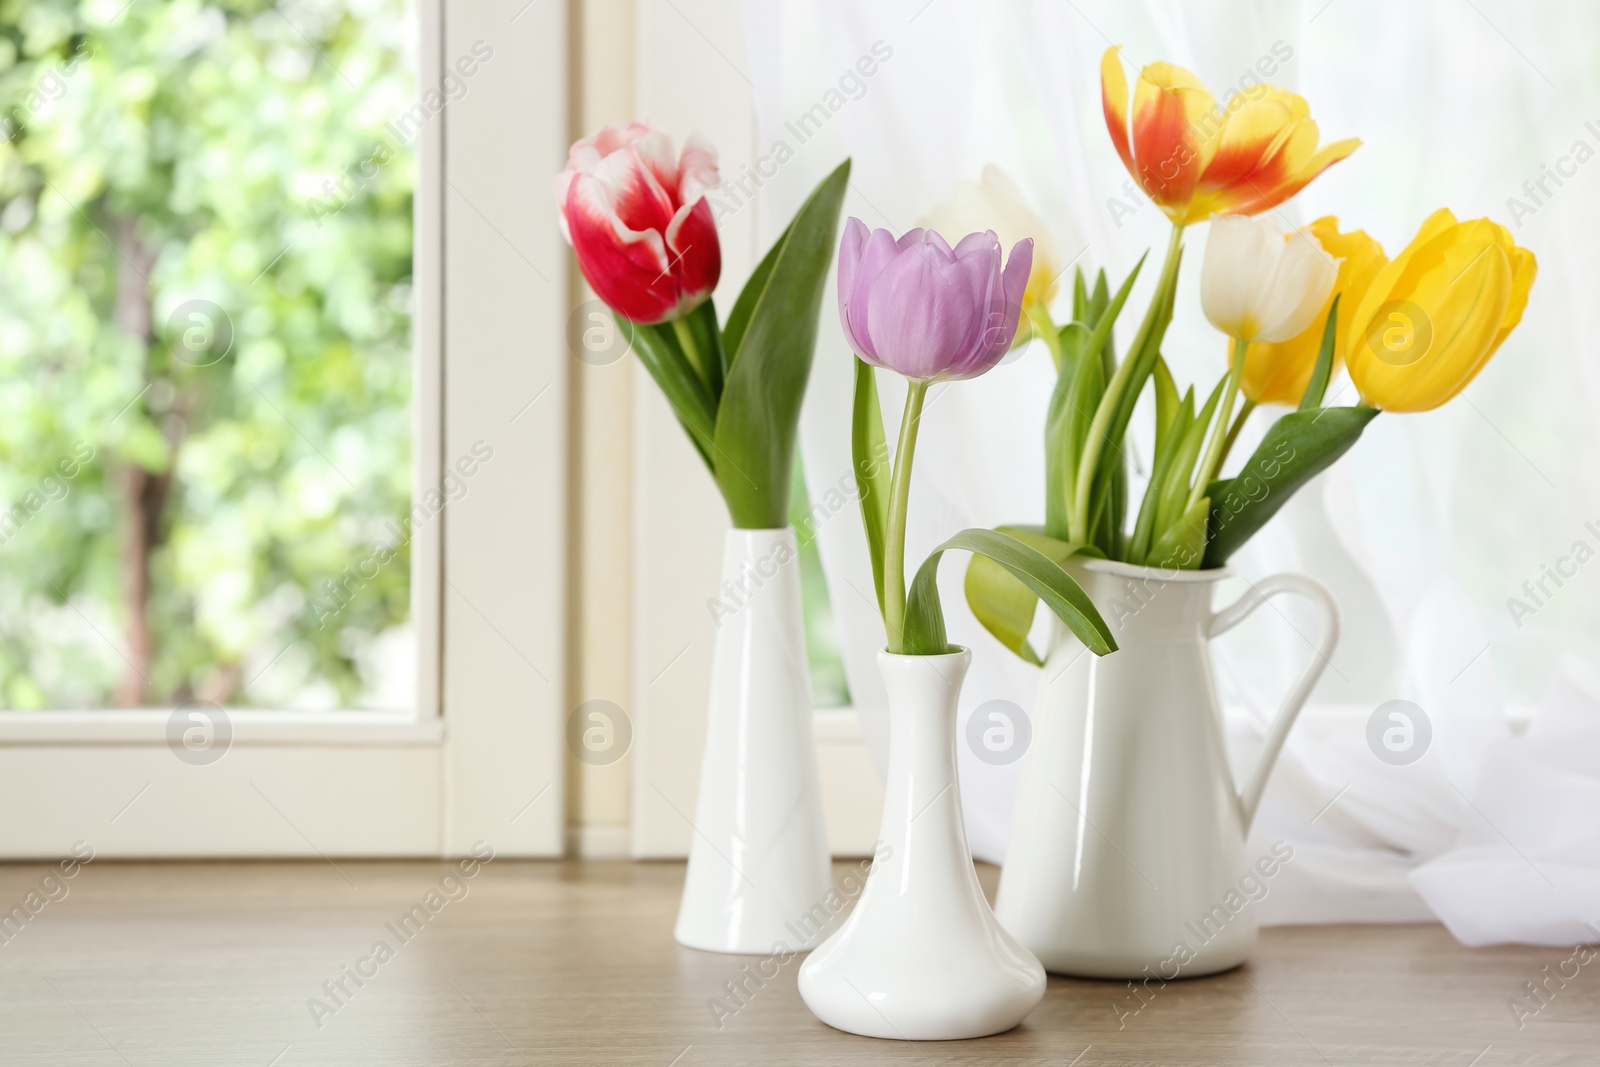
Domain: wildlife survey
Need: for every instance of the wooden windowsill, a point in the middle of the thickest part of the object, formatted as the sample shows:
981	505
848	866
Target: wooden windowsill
573	962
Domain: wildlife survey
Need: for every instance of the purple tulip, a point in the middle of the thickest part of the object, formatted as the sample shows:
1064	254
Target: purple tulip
927	311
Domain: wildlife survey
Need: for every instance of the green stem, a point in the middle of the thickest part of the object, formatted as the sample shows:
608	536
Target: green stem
1078	515
1045	329
1238	424
1219	429
894	544
691	351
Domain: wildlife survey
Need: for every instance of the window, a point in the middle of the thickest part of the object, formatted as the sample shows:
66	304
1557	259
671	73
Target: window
206	251
293	164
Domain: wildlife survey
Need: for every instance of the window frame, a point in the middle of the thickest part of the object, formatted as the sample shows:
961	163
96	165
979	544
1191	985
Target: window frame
480	755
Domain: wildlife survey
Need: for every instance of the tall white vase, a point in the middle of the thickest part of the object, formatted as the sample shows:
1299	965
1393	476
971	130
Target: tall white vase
922	958
758	863
1127	857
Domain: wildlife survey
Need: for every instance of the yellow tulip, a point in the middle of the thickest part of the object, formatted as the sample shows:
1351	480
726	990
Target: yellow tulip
1434	315
1278	373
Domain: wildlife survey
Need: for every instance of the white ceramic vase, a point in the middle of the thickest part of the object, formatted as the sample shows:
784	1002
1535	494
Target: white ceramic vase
1126	857
922	958
758	862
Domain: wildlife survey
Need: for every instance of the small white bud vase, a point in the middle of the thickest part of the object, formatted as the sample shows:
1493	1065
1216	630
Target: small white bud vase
758	862
1127	855
922	957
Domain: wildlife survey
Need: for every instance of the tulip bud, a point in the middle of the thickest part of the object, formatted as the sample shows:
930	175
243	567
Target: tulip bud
1258	284
920	308
638	221
1432	318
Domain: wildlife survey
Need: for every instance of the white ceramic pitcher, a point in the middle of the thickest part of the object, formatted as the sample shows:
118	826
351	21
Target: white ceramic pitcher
1127	846
758	862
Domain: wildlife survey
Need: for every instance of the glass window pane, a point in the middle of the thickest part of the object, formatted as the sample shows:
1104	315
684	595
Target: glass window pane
205	357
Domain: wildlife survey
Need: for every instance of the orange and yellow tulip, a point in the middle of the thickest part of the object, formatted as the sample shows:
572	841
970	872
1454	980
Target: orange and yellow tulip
1278	373
1195	159
1435	314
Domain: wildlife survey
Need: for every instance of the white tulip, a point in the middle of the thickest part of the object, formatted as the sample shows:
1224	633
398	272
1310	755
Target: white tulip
1260	284
995	203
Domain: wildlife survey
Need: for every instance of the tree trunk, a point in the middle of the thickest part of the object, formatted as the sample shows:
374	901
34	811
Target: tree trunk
145	493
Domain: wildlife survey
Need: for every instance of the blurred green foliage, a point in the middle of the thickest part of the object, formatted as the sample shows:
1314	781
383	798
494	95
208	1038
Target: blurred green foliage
829	688
176	496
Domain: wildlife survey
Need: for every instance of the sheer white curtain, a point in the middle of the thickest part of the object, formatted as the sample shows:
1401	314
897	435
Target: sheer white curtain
1423	532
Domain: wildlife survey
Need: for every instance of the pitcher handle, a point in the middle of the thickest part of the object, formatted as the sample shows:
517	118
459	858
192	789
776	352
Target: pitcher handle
1235	613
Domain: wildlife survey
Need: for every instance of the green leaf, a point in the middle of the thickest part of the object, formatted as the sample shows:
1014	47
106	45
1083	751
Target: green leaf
869	453
753	442
1166	401
1312	398
1088	386
1098	306
1182	545
1171	505
1142	355
1296	448
739	317
1114	513
924	633
1099	299
1166	454
1003	605
1102	325
1109	506
1001	602
1072	410
658	350
1059	448
1141	361
1074	341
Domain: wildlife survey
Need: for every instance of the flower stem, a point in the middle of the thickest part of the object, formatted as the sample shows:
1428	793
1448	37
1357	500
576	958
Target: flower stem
691	352
1044	328
1219	429
1078	514
1238	424
894	542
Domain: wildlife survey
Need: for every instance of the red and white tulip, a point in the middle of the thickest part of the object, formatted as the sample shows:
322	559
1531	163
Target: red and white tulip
639	222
